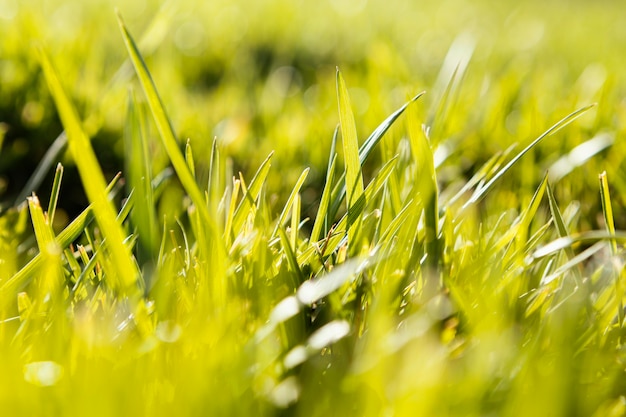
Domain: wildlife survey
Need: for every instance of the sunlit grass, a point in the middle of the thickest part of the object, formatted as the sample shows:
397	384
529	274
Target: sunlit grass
418	263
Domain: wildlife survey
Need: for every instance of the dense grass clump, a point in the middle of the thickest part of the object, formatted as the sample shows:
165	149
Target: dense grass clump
424	270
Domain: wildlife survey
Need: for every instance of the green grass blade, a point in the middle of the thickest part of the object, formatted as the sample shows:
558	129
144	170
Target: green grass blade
556	213
125	273
41	226
230	214
426	184
322	210
551	131
54	195
339	191
292	260
139	171
213	188
354	177
560	225
189	159
578	239
251	194
290	200
607	209
51	275
295	221
167	135
372	189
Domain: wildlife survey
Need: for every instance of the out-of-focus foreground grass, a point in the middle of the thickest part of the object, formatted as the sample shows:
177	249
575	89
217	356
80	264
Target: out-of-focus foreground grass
437	267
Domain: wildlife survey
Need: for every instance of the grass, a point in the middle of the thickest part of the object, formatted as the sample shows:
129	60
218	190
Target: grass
436	269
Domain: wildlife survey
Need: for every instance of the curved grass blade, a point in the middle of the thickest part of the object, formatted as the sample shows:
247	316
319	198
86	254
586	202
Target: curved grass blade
354	177
163	123
213	249
125	270
579	238
480	193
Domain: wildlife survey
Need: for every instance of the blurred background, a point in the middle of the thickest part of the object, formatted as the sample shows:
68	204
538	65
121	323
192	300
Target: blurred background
260	76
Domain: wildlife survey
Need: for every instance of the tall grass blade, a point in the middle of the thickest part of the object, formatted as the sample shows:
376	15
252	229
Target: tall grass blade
426	185
169	140
339	191
354	177
607	211
139	169
125	271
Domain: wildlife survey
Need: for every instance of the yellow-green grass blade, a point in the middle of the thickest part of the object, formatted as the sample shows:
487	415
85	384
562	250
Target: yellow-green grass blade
339	190
228	229
125	271
139	171
320	218
251	194
551	131
292	259
354	177
64	239
607	209
189	159
426	184
556	213
214	181
560	225
577	239
290	200
295	221
50	277
169	140
54	195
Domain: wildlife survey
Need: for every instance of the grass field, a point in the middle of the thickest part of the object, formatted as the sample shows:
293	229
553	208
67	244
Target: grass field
368	208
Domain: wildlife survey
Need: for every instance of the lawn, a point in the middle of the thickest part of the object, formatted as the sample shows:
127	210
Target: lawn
293	208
